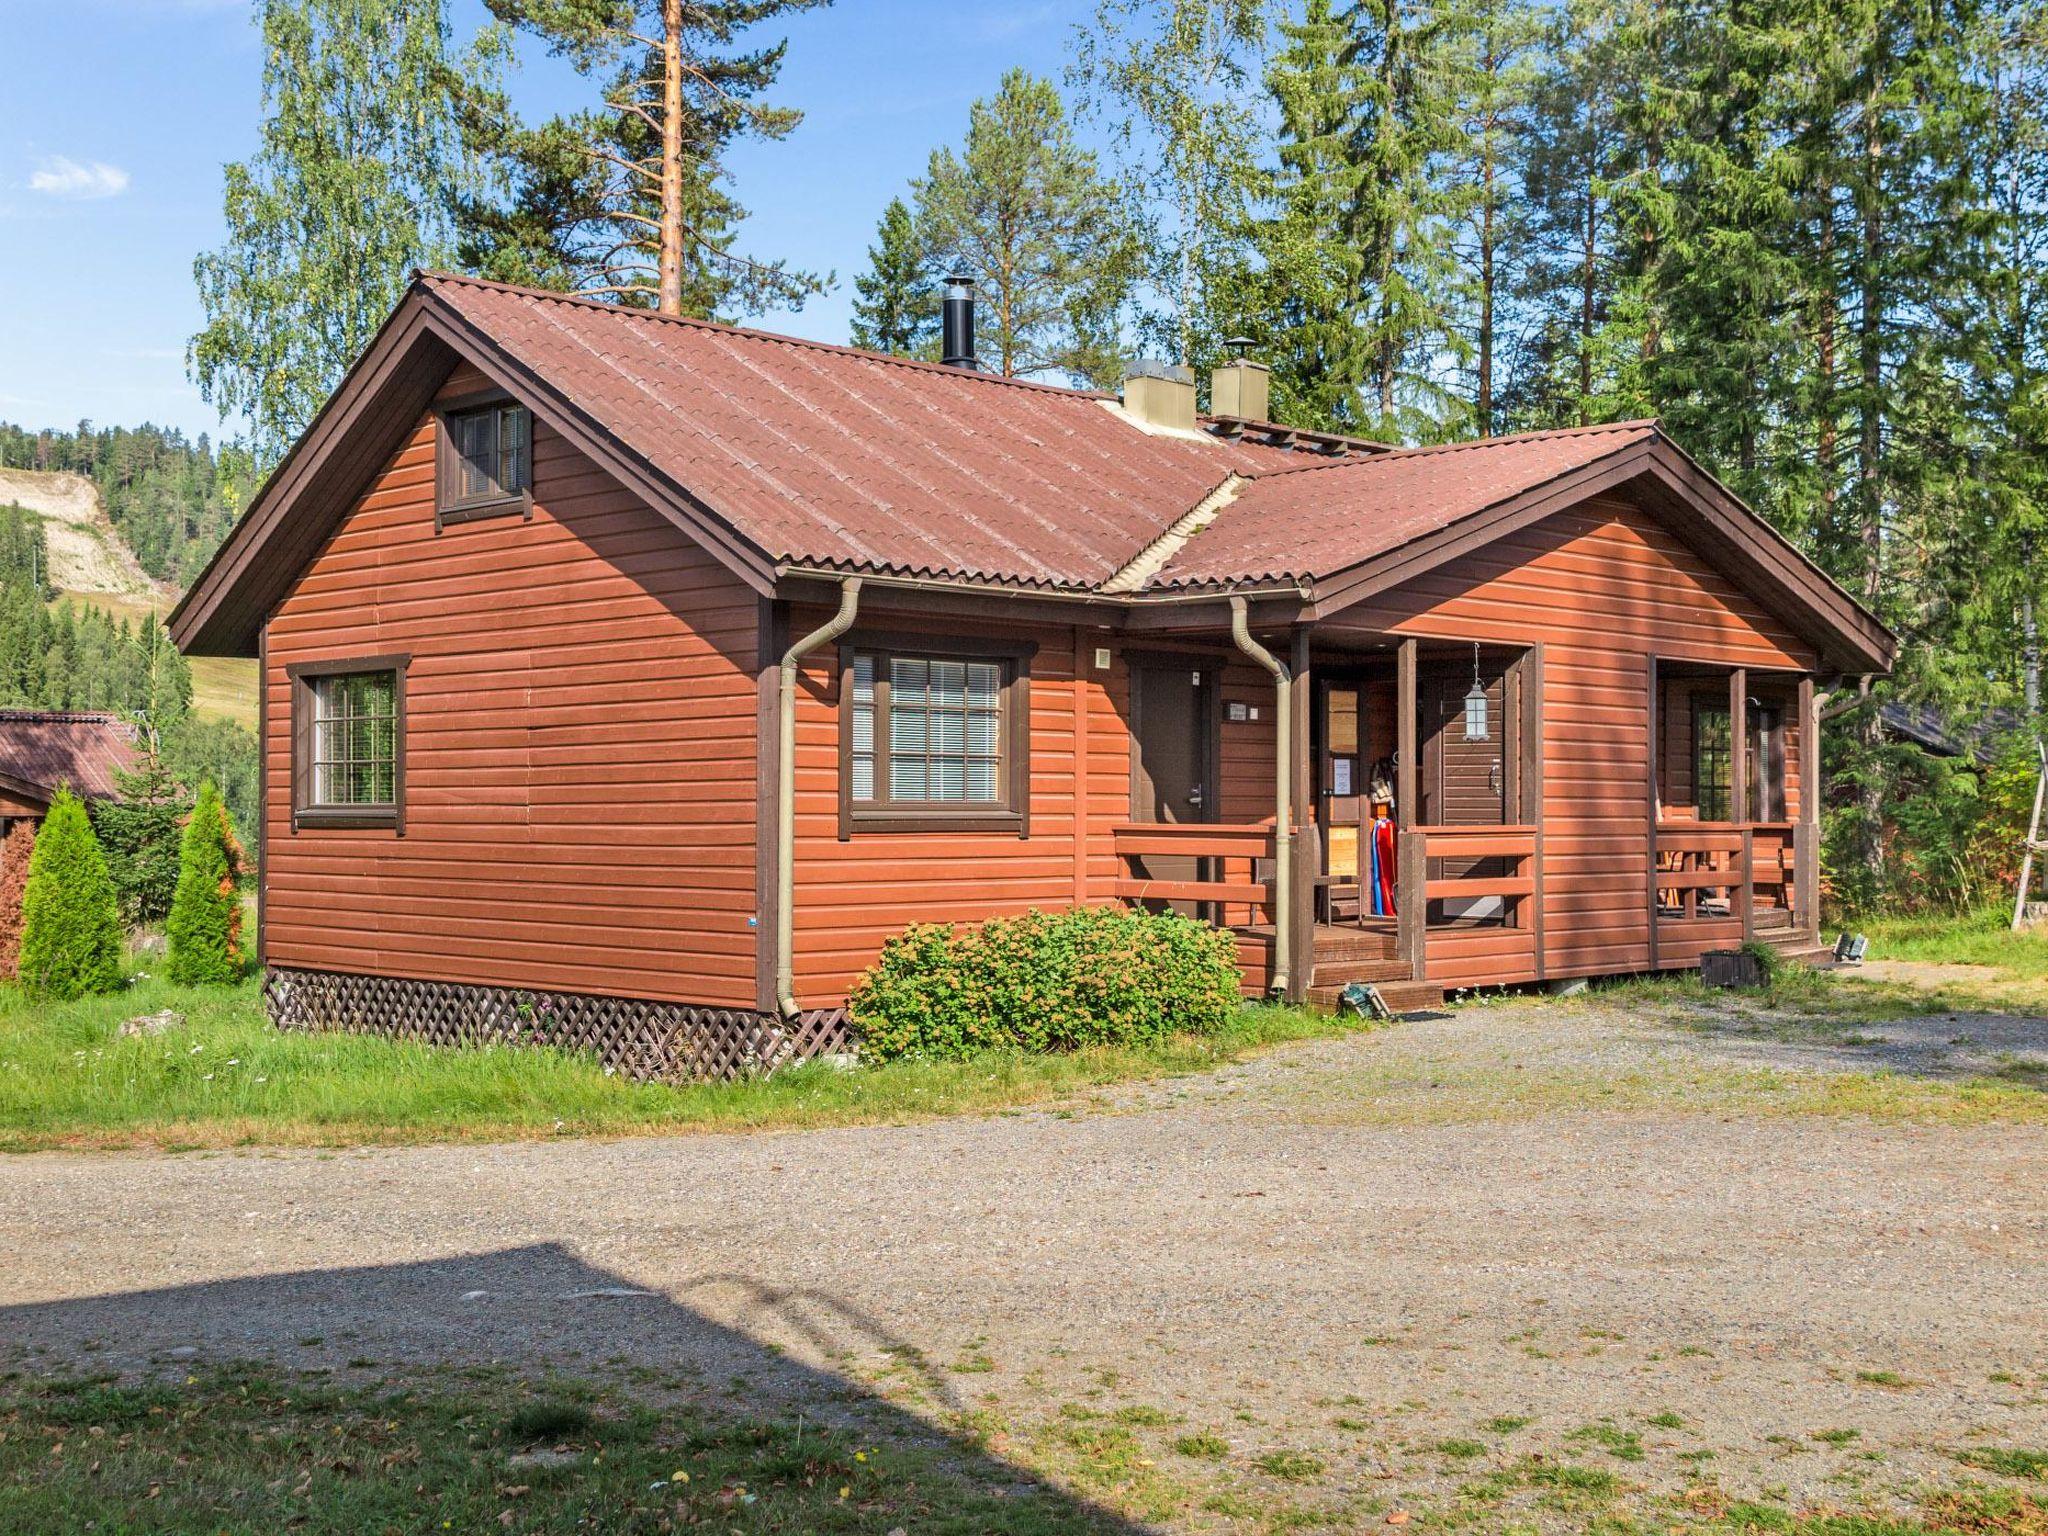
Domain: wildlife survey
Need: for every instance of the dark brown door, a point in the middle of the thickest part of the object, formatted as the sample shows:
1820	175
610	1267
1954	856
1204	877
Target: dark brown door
1173	758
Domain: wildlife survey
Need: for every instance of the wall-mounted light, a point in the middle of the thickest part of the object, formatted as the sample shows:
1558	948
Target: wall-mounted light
1475	704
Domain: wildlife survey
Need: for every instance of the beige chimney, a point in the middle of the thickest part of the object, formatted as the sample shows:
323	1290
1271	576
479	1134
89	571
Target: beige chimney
1243	389
1161	395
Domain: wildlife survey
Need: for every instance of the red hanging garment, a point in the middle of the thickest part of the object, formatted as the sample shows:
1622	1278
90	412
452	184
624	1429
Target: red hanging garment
1383	861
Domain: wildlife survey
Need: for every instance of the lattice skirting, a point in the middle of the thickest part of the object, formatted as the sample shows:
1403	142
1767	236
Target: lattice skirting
673	1042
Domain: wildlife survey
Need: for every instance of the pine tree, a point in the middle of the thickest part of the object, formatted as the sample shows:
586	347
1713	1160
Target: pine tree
628	200
898	305
1023	211
205	927
71	932
139	835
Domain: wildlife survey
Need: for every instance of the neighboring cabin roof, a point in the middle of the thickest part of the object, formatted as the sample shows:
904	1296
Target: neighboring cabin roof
41	749
785	456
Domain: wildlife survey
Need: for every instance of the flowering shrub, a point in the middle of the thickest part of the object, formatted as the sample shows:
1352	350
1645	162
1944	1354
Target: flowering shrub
1046	981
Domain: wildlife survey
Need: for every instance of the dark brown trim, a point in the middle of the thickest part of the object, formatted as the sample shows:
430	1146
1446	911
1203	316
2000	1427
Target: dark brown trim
1652	791
262	789
449	508
1013	816
304	813
1530	808
1709	513
770	625
1806	860
379	403
1308	858
1739	806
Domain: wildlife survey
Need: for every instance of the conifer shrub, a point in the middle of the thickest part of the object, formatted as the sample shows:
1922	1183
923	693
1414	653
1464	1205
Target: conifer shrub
1045	981
70	930
205	927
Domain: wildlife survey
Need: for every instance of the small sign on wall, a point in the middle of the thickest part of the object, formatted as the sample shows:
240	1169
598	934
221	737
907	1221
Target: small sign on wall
1237	711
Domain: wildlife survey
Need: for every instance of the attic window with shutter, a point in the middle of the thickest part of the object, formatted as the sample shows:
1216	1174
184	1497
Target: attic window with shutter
485	464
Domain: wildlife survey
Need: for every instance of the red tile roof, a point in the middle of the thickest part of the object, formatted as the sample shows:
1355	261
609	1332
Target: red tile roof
46	748
1308	523
822	455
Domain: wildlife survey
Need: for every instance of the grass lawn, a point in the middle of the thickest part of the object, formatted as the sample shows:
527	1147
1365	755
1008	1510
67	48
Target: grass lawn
241	1450
1978	938
67	1079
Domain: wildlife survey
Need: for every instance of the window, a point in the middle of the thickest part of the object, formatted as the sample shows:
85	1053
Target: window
348	743
933	740
486	461
1713	760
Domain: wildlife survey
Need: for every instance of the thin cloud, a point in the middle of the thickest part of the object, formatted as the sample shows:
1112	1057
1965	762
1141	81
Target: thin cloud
77	182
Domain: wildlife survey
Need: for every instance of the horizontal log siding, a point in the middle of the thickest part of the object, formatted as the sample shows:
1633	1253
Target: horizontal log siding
851	895
1603	586
580	758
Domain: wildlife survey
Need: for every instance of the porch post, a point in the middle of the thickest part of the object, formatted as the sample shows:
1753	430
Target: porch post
1806	833
1411	869
1742	892
1308	860
1653	803
1530	808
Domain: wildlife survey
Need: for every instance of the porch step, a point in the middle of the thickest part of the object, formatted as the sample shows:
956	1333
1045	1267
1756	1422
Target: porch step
1401	996
1338	972
1338	944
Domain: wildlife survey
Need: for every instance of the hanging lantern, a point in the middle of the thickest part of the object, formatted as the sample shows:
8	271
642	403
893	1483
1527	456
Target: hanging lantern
1475	704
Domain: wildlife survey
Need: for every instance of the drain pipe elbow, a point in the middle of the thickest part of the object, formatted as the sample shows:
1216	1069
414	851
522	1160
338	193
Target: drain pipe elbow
785	792
1283	795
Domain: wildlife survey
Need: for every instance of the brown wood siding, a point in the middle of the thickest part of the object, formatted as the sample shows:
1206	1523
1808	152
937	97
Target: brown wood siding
1604	587
580	754
852	893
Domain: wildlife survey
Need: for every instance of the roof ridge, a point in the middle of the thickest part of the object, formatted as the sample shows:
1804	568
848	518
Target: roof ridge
755	333
1424	450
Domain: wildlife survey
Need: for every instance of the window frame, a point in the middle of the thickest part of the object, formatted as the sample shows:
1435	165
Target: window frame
450	506
1704	704
1013	814
305	810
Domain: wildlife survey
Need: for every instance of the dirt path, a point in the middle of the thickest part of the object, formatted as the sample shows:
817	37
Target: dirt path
1366	1251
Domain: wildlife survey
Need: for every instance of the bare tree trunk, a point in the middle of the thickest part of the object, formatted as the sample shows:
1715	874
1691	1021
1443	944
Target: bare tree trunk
2030	642
1825	329
1588	297
669	291
1870	446
1483	405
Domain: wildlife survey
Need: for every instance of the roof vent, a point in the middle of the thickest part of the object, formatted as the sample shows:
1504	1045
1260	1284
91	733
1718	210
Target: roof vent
1241	387
957	323
1161	395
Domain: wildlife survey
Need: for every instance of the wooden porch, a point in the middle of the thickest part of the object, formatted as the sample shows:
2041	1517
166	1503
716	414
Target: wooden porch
1472	901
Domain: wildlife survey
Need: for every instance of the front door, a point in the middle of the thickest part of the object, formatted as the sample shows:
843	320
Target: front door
1173	753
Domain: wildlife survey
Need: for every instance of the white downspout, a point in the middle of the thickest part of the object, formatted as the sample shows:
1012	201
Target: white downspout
785	794
1283	796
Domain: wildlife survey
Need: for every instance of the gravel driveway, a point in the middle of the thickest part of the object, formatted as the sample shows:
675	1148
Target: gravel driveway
1381	1251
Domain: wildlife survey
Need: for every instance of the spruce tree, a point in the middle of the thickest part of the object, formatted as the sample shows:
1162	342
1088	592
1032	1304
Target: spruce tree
205	927
898	305
1023	210
71	932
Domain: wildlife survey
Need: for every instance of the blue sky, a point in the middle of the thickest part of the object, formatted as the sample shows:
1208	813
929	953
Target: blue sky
116	116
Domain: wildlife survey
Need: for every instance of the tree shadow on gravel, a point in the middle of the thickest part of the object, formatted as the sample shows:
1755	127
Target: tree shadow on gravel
523	1390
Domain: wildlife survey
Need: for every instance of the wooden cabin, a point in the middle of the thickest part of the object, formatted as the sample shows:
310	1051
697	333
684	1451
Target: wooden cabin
629	680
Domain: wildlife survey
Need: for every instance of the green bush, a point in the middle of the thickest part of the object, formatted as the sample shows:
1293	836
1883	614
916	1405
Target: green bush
1046	981
205	927
139	835
70	930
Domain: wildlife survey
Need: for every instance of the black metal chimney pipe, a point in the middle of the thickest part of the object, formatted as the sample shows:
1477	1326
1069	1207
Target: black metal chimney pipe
957	314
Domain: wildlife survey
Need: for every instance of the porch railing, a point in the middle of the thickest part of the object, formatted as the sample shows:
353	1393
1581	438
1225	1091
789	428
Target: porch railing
1504	865
1225	878
1712	871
